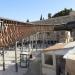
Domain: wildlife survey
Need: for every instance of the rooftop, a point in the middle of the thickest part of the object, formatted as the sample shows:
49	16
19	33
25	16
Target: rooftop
58	46
71	53
56	21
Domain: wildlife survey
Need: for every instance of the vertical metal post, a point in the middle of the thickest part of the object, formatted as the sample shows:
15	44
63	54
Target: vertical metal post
40	37
40	55
16	64
43	40
3	61
36	40
40	40
29	44
22	45
32	42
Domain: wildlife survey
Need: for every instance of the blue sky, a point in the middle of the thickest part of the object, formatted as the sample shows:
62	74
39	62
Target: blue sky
32	9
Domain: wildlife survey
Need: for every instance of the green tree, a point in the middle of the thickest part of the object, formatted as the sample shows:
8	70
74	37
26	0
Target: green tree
27	20
49	15
63	12
41	17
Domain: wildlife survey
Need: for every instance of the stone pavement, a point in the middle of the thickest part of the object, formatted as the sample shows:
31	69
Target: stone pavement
10	64
34	67
11	71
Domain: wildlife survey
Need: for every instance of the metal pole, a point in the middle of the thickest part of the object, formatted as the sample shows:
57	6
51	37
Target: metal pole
40	40
29	44
32	42
36	40
16	64
43	40
22	45
3	61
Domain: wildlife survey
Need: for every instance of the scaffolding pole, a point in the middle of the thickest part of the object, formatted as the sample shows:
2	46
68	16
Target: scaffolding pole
22	45
16	64
36	41
3	61
32	42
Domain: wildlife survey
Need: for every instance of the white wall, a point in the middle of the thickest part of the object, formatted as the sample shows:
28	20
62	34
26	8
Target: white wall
48	69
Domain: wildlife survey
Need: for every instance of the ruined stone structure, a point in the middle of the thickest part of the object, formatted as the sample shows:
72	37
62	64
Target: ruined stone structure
48	30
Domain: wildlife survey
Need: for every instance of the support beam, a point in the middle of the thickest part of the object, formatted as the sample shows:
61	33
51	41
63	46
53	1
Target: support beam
3	61
43	40
29	45
36	40
16	64
32	42
40	40
22	45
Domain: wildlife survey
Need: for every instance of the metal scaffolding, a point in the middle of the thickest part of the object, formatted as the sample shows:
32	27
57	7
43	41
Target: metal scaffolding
12	31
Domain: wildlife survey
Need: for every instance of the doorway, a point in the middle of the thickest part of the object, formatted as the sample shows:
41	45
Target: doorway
60	65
